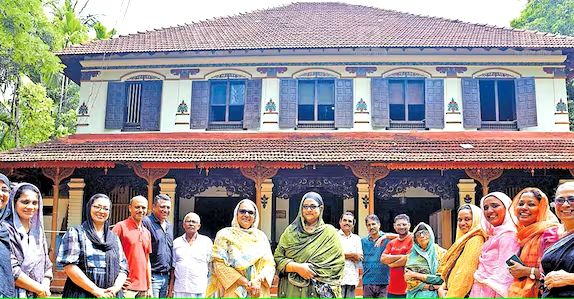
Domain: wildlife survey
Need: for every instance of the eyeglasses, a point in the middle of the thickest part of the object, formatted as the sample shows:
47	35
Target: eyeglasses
310	207
191	221
421	233
101	208
5	189
245	212
561	200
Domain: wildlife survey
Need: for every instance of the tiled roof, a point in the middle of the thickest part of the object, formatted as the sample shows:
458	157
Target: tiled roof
556	150
323	25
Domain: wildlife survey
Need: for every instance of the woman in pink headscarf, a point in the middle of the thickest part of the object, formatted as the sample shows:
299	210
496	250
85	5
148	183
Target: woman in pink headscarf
492	278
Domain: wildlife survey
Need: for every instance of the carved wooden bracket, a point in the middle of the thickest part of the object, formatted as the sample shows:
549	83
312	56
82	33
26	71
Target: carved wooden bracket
484	176
150	175
258	174
57	174
371	174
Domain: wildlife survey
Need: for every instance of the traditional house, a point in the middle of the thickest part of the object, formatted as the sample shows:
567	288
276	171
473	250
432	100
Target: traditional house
379	111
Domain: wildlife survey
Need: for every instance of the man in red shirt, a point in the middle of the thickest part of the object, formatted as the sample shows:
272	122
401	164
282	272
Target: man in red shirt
136	242
395	256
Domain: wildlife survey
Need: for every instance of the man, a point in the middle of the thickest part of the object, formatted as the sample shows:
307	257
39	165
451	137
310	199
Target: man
395	256
191	256
161	244
136	242
353	251
375	274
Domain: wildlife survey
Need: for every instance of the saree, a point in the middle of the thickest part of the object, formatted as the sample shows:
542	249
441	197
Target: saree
532	239
239	252
320	248
459	263
559	256
424	261
492	278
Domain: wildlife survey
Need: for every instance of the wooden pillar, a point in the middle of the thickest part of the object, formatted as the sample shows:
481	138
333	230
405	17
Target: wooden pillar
466	191
167	186
56	175
371	174
258	174
75	201
363	208
484	176
150	175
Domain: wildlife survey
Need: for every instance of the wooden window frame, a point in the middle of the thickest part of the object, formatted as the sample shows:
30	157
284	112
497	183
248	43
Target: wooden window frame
320	123
233	124
410	123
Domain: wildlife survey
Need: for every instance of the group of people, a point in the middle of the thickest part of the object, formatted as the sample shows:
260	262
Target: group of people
504	248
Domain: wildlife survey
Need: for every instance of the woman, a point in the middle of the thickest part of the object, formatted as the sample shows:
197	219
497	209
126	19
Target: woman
31	266
461	260
422	264
492	278
7	281
309	255
92	255
558	260
242	261
537	230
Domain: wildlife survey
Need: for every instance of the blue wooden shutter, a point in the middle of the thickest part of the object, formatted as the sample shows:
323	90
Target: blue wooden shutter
343	103
151	105
252	108
526	115
116	105
471	103
434	103
287	103
199	104
380	102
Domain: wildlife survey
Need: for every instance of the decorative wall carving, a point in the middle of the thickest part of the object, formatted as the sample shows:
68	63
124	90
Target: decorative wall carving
271	72
405	75
495	75
143	78
229	76
316	75
361	71
512	184
558	72
192	186
443	187
288	186
184	73
451	71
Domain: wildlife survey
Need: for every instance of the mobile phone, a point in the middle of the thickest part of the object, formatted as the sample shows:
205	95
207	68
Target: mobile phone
515	259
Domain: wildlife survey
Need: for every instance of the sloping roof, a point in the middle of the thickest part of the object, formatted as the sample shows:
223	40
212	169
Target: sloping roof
419	149
323	25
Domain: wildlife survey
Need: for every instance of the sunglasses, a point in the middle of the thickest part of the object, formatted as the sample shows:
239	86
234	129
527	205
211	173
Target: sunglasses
421	233
561	200
245	212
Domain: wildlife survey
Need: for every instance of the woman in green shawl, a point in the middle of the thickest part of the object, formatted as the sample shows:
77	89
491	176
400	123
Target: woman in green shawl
309	254
422	264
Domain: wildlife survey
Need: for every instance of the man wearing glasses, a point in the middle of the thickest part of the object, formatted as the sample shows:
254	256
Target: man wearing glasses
191	256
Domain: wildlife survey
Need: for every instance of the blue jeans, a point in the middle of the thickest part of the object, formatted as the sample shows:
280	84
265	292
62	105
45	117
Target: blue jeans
159	284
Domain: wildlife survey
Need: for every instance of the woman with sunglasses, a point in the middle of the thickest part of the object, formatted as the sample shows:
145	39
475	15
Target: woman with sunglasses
309	256
492	277
241	258
31	266
537	230
558	260
92	255
422	264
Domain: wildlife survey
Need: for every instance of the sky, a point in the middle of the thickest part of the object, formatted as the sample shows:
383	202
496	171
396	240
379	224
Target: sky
132	16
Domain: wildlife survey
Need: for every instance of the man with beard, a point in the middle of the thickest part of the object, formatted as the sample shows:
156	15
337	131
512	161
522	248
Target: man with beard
161	243
136	242
353	255
395	256
375	274
191	256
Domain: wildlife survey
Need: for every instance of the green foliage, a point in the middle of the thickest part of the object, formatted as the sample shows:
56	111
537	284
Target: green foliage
102	32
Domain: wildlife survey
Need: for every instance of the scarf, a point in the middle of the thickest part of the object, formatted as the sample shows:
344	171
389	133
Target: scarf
6	284
530	240
425	261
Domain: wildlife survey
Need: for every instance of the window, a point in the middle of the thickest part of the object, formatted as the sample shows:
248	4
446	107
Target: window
133	111
497	101
407	100
316	101
227	99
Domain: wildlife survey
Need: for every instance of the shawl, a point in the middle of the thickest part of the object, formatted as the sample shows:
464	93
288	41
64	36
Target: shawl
452	255
320	248
245	250
530	240
7	283
32	256
492	269
425	261
559	256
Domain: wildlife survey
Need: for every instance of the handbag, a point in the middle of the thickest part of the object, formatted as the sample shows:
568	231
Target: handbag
323	290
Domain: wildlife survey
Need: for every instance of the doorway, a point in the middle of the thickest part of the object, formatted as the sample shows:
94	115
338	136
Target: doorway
419	209
215	212
331	213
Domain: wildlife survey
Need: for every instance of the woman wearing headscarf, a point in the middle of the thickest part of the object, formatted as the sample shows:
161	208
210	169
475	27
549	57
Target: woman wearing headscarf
309	256
422	264
492	278
459	263
92	255
537	230
31	266
242	261
7	281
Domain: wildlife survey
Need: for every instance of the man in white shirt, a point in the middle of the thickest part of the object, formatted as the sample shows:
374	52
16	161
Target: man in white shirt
353	254
191	257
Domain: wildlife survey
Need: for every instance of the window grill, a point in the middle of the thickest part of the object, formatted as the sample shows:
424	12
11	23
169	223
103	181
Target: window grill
133	105
407	125
499	125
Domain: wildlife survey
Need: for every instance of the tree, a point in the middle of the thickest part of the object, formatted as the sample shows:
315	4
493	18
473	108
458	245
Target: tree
102	32
554	16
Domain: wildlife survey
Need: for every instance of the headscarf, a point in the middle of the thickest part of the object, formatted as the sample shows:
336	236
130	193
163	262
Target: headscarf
507	225
109	244
425	261
4	235
7	283
530	240
453	253
5	180
299	222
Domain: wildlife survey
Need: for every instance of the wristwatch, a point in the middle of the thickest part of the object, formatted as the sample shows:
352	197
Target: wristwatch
532	276
431	287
